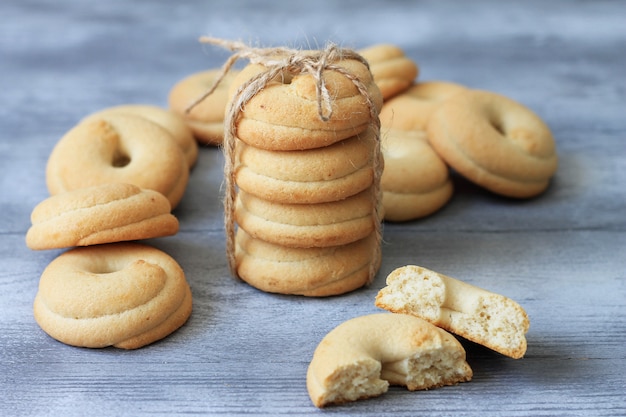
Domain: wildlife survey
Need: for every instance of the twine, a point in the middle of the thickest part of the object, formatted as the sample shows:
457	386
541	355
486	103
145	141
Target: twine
280	60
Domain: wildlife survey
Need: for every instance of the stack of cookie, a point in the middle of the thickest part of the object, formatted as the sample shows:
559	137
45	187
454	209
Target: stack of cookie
307	199
114	179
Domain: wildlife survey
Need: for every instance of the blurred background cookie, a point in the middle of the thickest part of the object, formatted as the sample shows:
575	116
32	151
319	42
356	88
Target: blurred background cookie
119	148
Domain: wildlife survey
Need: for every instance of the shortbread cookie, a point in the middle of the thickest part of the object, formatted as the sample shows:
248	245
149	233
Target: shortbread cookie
100	214
315	272
304	192
307	225
319	164
125	295
362	356
494	142
206	117
393	71
312	176
489	319
411	109
415	181
284	116
118	148
170	121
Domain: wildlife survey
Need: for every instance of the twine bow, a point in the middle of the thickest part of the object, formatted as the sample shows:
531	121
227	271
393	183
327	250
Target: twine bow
280	61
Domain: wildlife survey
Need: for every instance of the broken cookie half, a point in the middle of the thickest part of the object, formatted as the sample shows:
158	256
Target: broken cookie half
362	356
473	313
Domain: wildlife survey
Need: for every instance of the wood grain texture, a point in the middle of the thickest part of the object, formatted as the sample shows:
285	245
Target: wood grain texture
562	255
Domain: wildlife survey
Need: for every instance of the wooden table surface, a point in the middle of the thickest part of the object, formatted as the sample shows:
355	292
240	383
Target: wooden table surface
562	255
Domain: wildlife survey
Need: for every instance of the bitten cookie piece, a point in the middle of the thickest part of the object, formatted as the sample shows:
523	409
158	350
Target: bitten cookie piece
125	295
489	319
105	213
361	357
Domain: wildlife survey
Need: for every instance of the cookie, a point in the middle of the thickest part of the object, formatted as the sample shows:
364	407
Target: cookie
495	142
319	164
481	316
170	121
313	272
125	295
118	148
411	109
304	192
100	214
415	181
205	118
284	116
362	356
306	225
392	70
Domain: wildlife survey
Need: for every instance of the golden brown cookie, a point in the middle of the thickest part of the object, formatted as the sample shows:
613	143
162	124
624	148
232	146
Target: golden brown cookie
495	142
411	109
118	148
304	192
125	295
167	119
481	316
307	225
393	71
314	272
104	213
206	119
319	164
415	181
362	356
312	176
284	116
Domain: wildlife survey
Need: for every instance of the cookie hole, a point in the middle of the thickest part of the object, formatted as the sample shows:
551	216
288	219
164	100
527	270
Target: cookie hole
286	78
120	159
498	127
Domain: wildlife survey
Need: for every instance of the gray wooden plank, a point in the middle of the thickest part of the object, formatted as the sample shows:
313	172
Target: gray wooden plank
244	352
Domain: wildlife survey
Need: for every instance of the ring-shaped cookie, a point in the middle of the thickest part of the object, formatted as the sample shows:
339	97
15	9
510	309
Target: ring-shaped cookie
304	192
392	70
411	109
320	164
167	119
306	225
206	118
118	148
285	115
495	142
362	356
125	295
313	272
100	214
415	181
